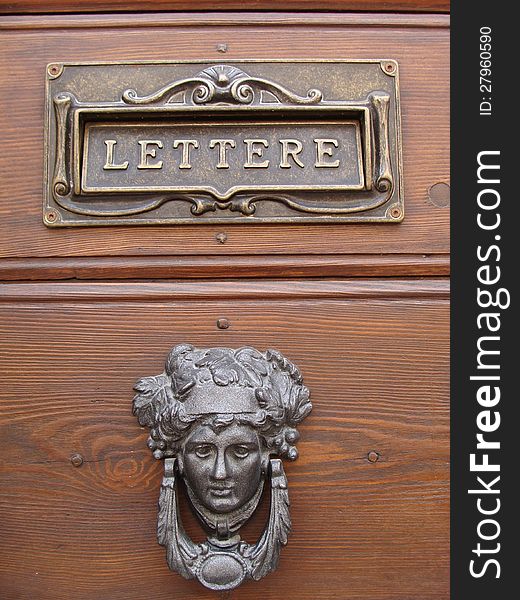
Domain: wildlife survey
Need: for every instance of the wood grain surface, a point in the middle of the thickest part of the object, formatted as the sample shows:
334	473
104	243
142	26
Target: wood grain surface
376	361
164	291
419	42
54	6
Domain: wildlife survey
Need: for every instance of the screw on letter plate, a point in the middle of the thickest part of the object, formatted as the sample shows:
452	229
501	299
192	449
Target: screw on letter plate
395	212
222	419
389	67
54	70
51	216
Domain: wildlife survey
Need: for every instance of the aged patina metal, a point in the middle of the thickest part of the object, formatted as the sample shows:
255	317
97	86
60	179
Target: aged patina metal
222	419
248	141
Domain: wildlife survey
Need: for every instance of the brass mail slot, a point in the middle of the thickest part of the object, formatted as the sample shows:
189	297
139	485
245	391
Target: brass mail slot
247	142
223	158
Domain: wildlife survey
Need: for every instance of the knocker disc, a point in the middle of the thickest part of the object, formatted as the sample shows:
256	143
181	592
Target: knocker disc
222	571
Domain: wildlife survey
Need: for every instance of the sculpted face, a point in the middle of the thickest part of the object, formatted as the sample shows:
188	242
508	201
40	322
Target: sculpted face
223	467
222	420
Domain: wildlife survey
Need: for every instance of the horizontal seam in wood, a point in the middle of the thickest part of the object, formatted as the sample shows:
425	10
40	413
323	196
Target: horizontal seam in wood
207	20
120	268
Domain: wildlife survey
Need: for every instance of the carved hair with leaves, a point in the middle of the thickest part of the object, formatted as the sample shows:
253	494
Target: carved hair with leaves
281	399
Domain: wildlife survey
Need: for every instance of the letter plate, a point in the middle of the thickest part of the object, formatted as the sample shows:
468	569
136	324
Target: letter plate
191	142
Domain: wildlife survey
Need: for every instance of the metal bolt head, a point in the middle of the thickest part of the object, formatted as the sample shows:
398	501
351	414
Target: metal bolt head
373	456
223	324
76	459
221	237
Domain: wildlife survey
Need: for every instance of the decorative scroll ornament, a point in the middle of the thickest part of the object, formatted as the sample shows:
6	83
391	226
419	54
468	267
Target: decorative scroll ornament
218	417
222	83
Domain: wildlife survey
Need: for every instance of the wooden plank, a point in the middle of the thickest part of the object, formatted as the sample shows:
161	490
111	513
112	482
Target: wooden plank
198	267
378	374
268	290
237	19
64	6
422	51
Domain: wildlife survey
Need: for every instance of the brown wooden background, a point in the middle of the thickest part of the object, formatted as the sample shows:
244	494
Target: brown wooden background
362	310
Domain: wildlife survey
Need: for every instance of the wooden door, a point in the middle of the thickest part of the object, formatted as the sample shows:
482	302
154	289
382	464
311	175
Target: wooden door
362	309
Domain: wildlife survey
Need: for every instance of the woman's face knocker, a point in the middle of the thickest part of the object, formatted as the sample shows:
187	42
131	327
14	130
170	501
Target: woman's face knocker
223	466
222	420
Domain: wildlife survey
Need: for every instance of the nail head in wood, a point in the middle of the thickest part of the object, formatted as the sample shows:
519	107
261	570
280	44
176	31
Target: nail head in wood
76	459
373	456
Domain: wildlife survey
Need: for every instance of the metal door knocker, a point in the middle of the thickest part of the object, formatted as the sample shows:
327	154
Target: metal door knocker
218	417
